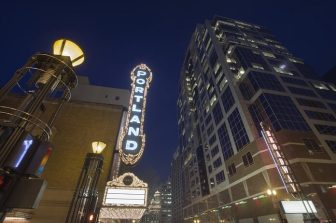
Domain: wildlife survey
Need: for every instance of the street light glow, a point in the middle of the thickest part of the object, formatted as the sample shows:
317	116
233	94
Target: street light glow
98	147
68	48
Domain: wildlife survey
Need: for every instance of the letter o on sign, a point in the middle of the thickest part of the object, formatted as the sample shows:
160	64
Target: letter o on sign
140	81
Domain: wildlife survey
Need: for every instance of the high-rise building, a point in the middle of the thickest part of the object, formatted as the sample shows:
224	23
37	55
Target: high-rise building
93	114
160	208
256	127
152	214
177	187
166	203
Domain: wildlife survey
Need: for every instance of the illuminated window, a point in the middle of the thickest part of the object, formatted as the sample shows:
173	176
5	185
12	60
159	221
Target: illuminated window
320	86
223	84
295	61
282	70
268	54
213	100
279	47
212	182
257	66
332	87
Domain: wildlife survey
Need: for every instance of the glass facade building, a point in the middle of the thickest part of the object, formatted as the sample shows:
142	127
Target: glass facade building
234	77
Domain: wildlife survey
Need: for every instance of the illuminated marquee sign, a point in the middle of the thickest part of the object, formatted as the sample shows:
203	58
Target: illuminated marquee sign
132	141
125	198
298	207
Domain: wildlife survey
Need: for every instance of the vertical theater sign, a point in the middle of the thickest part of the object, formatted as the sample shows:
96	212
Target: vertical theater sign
132	142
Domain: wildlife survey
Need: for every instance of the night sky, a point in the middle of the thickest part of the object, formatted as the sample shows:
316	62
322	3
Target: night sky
117	36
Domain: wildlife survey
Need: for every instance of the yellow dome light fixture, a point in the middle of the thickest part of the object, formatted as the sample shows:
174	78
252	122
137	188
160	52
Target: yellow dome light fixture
98	147
68	48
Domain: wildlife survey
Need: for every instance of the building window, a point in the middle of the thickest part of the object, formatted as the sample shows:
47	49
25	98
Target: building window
332	106
326	129
212	182
210	130
212	140
310	103
238	129
332	145
268	54
302	91
210	169
217	163
208	120
247	159
282	70
232	169
280	110
319	85
220	177
213	58
225	142
312	145
320	116
294	81
257	80
332	87
257	66
217	113
227	99
214	151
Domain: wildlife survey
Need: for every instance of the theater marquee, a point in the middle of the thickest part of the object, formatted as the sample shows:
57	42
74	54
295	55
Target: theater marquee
132	141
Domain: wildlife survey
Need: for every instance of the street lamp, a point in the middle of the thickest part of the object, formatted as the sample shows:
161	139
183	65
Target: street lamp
25	127
98	147
68	48
83	207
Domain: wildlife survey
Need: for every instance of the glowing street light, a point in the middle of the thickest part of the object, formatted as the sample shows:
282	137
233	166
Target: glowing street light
98	147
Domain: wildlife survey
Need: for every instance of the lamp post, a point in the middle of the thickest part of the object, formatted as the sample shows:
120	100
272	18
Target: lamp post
83	207
25	126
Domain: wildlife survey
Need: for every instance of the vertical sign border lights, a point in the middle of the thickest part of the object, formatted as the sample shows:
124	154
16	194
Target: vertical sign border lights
126	157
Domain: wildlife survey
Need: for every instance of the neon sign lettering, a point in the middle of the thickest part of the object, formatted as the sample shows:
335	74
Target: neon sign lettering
132	142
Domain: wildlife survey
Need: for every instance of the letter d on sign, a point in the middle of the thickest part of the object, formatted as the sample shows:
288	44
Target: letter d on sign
131	145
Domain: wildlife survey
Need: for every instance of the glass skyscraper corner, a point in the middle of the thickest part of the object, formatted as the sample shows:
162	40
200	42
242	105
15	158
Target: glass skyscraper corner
234	77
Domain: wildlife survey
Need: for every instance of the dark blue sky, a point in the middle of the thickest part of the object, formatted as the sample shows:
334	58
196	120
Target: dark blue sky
118	36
